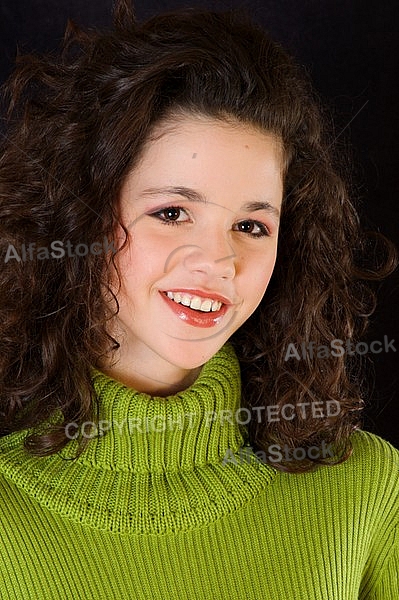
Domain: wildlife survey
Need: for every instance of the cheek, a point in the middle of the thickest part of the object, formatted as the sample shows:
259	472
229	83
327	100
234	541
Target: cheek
142	262
260	276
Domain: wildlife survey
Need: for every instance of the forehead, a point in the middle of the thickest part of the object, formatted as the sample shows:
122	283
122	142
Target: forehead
209	161
199	136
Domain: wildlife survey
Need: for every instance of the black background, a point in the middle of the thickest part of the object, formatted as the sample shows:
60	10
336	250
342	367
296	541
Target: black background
351	49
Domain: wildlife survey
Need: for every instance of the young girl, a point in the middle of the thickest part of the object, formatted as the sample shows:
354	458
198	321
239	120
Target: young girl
174	233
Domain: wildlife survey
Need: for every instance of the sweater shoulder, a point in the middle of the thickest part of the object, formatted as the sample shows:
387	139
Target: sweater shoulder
372	474
366	483
366	439
373	454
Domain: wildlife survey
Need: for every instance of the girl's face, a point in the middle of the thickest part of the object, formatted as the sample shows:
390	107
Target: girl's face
202	209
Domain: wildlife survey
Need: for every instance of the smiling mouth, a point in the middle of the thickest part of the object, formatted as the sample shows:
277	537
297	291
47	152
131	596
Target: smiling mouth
195	302
196	317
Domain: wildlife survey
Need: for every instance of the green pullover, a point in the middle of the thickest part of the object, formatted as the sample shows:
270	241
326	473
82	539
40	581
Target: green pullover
165	504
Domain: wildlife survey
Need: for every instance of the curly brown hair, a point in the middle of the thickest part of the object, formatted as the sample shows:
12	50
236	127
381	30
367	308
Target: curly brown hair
76	126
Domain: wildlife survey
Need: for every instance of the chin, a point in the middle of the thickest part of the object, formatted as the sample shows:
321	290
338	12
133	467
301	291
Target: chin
193	354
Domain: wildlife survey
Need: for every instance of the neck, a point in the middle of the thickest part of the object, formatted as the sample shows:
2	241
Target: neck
155	386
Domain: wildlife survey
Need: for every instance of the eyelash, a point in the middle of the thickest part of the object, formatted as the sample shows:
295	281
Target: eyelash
264	232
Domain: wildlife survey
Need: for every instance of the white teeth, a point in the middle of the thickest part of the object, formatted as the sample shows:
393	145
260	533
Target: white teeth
186	300
206	305
195	302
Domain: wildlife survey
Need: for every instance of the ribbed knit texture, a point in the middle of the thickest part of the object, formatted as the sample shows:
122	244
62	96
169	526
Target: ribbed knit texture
152	510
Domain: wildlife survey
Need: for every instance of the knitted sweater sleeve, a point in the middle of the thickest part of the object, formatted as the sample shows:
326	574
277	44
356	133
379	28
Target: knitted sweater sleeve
387	581
381	576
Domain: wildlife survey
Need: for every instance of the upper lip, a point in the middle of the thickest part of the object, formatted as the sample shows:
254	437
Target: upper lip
202	294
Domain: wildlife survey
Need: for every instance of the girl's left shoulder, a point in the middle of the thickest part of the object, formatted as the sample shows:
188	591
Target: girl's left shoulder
373	454
369	477
366	483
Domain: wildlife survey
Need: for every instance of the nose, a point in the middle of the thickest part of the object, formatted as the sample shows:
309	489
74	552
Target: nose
214	257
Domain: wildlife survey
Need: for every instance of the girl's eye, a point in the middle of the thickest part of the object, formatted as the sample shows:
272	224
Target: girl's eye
170	215
253	228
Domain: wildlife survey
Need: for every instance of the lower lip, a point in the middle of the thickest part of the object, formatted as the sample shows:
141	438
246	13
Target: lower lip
195	317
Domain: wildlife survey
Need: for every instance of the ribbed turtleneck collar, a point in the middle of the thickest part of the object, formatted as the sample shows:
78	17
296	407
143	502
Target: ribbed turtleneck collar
150	434
160	464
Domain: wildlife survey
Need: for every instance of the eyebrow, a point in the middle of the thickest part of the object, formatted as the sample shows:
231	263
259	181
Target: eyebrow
195	196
